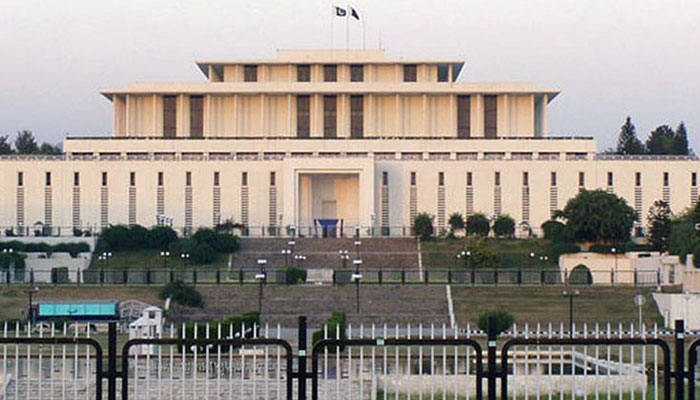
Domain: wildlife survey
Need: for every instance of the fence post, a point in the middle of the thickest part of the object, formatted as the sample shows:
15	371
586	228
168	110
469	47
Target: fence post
541	277
148	277
31	276
427	277
473	276
612	277
194	277
125	275
491	362
301	373
102	276
218	277
520	277
679	373
172	276
636	279
240	276
379	276
449	276
111	361
333	279
403	276
495	277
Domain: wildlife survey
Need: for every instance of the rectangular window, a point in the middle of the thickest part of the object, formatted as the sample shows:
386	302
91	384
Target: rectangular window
357	73
553	179
610	179
216	178
413	179
463	116
250	73
497	179
581	179
694	179
303	116
385	178
273	178
196	116
469	178
303	73
169	116
410	73
490	116
665	178
160	179
526	179
76	178
443	73
104	179
441	179
188	178
132	178
20	178
244	179
637	179
330	117
330	73
357	118
48	179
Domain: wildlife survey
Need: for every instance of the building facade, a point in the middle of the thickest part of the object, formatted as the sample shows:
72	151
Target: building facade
329	140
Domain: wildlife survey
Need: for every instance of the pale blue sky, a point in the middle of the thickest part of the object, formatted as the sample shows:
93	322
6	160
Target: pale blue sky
610	58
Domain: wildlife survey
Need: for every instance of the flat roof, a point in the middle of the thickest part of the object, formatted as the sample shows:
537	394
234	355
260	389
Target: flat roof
79	310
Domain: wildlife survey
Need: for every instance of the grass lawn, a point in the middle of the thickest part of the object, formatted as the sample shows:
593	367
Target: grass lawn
148	259
544	304
440	253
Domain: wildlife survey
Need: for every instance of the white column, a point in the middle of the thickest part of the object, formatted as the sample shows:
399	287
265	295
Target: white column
290	130
505	130
426	122
399	120
155	114
545	117
262	115
453	115
128	115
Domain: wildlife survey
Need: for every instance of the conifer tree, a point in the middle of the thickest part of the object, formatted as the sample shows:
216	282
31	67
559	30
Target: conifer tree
627	142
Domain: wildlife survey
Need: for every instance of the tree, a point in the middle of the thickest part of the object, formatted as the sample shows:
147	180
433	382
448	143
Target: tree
554	230
680	140
598	216
481	255
478	224
5	147
659	225
456	221
503	320
627	142
49	149
661	140
25	143
423	226
504	226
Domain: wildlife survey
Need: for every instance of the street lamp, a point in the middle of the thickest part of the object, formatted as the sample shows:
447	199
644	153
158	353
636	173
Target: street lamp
356	277
299	258
185	257
614	251
357	248
286	253
30	292
104	258
464	256
344	256
570	295
164	255
261	277
639	301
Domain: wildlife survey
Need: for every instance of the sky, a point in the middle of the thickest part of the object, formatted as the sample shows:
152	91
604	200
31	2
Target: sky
610	58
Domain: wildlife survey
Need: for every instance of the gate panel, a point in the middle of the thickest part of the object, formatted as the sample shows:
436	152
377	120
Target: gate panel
692	365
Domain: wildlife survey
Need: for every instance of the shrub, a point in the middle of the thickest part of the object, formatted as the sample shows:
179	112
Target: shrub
38	248
481	255
160	237
478	224
423	226
456	221
554	231
559	248
15	259
335	330
220	242
203	254
504	320
182	294
292	275
607	249
504	226
138	237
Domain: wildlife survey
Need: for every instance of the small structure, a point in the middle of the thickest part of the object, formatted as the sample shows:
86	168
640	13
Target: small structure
148	326
90	312
631	268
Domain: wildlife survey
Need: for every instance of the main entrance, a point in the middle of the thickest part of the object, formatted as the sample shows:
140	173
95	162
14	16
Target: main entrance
329	203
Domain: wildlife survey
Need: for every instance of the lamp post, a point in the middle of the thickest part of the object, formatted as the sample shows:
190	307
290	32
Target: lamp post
164	255
286	253
261	277
357	276
185	257
639	301
299	258
104	257
344	257
357	248
570	295
11	263
30	292
614	251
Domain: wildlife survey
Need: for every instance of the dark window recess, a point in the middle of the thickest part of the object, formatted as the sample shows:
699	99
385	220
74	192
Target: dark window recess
273	179
463	116
244	179
637	179
469	178
76	178
20	178
665	178
526	179
48	179
441	179
443	73
216	178
610	179
357	116
250	73
582	179
196	116
330	73
357	73
132	178
693	179
330	117
413	179
553	179
188	178
104	179
410	73
169	116
160	179
385	178
303	117
303	73
497	179
490	116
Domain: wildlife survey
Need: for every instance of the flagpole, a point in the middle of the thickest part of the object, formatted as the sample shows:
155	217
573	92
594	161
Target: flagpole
332	18
347	28
363	31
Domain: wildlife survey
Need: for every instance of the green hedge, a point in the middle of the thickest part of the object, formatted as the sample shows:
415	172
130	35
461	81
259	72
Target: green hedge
336	330
73	248
182	294
504	320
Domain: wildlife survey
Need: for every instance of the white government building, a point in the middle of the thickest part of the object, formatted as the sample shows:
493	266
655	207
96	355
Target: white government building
334	139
